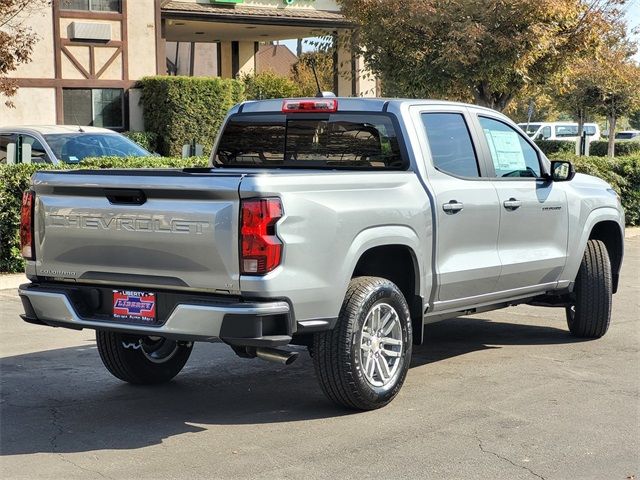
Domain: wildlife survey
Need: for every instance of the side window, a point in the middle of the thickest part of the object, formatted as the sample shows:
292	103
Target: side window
8	148
546	133
450	144
38	154
511	154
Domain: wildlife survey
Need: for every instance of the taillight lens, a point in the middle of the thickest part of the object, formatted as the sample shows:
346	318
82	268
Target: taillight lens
261	248
26	225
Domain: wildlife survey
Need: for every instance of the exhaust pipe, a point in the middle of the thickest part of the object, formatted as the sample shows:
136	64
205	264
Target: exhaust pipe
277	356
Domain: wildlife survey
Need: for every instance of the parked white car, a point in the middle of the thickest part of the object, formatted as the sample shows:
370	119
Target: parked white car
63	144
559	131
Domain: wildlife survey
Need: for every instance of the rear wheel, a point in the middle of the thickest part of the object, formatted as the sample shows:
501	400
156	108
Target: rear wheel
142	360
589	315
362	363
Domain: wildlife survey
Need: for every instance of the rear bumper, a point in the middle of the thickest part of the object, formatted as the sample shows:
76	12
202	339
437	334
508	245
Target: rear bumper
259	324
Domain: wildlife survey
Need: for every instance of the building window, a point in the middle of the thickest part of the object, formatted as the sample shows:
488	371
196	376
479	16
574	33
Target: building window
98	107
91	5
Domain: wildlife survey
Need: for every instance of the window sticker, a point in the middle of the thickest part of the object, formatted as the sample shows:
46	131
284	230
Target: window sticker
506	150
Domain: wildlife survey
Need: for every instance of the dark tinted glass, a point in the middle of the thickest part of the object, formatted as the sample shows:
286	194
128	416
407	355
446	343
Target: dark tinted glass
76	104
107	108
75	147
96	107
332	141
511	154
450	144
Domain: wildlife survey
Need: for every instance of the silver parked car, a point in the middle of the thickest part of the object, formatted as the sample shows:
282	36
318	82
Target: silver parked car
63	144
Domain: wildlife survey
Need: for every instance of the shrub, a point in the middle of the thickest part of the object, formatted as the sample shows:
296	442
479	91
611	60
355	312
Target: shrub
554	146
181	109
147	140
622	173
265	85
14	180
623	148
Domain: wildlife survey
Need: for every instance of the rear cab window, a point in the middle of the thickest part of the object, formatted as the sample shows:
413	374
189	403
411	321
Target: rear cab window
325	141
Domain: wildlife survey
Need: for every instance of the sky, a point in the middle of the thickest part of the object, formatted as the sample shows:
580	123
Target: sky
633	20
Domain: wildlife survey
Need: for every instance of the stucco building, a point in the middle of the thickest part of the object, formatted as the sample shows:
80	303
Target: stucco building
90	53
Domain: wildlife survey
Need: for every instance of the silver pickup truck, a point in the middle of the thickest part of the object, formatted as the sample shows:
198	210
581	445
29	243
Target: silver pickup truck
343	225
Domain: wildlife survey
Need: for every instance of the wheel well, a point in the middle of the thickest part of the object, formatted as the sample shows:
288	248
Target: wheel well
609	233
398	264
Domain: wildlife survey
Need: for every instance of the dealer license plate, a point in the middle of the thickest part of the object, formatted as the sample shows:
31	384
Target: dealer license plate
130	305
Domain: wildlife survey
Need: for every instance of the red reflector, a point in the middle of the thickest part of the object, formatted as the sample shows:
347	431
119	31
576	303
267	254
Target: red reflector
26	225
261	248
310	106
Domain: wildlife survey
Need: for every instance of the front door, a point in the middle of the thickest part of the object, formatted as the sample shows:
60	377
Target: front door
532	244
467	210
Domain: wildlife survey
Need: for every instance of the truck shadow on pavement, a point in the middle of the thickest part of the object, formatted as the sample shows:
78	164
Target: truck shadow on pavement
62	401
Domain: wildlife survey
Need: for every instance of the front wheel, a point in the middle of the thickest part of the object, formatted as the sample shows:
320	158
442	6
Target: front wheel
589	315
142	360
362	363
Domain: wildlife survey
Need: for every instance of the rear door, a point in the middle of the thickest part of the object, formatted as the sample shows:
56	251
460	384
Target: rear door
467	208
533	210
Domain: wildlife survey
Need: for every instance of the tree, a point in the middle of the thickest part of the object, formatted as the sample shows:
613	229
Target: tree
302	72
634	120
16	41
615	85
483	50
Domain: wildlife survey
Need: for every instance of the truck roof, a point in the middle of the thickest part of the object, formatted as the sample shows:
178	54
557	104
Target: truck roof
346	104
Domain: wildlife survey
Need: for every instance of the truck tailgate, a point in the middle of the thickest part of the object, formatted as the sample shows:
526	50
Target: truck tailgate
146	228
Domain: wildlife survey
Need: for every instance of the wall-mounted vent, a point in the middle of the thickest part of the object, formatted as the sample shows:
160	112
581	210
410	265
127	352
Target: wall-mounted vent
95	32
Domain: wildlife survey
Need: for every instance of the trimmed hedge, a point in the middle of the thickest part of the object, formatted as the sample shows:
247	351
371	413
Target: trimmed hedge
550	147
181	109
622	173
147	140
14	180
261	86
623	148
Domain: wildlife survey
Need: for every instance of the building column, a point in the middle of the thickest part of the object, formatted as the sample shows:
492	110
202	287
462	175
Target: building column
225	66
246	58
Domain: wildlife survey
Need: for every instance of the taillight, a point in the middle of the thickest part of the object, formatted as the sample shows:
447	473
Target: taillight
261	248
26	225
329	105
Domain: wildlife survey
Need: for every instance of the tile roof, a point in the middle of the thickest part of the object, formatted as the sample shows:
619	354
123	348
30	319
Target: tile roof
238	13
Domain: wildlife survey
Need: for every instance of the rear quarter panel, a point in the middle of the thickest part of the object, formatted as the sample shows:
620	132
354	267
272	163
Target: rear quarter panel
330	219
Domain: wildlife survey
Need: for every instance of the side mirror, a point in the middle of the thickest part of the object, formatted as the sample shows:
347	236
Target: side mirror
562	171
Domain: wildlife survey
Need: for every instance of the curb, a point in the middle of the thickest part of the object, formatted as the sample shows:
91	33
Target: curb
12	280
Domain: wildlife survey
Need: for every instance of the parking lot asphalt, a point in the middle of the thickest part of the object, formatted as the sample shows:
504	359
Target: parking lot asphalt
503	395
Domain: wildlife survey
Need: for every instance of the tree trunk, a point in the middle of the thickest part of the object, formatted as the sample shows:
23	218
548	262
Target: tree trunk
299	48
612	135
580	127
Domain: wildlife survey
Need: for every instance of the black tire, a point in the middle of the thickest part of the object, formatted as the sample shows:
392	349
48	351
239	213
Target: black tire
137	365
337	353
590	314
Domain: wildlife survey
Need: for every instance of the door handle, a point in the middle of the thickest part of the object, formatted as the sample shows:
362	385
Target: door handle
452	207
512	204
